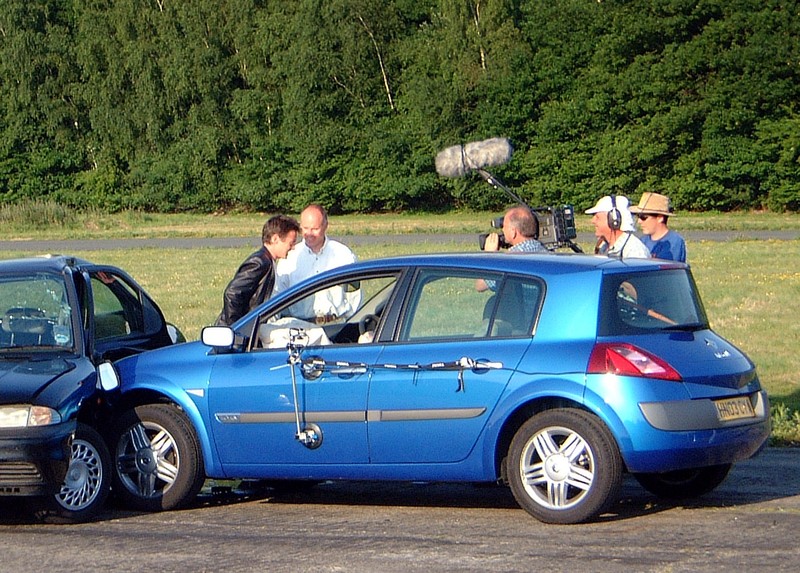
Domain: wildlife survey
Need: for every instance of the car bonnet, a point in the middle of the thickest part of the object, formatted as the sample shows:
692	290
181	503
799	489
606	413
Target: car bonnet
22	379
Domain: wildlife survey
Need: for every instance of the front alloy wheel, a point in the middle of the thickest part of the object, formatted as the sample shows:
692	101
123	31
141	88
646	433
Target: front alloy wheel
87	482
157	458
564	466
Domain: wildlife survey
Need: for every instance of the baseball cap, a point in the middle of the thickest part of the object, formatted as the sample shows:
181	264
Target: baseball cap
605	204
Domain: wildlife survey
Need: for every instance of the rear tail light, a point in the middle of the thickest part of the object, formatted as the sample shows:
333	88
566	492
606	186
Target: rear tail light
628	360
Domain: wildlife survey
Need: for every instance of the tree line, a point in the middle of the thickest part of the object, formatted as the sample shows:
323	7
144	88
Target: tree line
266	105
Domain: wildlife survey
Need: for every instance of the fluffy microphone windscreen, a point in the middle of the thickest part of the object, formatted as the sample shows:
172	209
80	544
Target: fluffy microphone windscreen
458	160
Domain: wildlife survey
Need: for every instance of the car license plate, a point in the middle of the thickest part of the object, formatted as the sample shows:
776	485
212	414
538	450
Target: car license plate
734	408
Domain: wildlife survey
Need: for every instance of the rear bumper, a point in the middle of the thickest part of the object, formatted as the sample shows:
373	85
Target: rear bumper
683	415
685	450
688	434
35	462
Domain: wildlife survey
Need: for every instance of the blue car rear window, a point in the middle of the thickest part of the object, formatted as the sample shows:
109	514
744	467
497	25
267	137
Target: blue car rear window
650	301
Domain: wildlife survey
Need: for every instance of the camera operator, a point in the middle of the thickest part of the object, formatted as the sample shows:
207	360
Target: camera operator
520	234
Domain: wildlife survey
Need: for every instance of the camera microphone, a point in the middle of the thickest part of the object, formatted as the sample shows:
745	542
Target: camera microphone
459	160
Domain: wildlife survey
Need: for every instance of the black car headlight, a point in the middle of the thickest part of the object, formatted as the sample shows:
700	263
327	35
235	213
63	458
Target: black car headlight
26	416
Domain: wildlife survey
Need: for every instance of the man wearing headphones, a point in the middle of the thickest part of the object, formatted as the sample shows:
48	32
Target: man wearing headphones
613	226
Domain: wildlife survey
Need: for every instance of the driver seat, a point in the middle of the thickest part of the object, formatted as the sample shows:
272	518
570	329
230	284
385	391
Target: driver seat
26	326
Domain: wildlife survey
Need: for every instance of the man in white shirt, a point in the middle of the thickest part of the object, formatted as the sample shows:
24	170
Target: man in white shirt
613	226
315	254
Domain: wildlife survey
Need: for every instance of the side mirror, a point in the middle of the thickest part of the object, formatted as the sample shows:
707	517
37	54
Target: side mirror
107	378
217	336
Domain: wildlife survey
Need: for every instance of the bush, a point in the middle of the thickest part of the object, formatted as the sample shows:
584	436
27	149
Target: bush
785	426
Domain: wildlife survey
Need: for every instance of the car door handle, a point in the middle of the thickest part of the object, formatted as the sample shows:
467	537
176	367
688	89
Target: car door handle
484	365
472	364
350	370
313	367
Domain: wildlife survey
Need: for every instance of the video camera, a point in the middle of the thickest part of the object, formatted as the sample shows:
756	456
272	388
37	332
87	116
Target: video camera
556	228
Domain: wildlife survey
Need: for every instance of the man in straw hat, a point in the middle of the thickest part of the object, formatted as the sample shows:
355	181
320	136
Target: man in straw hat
654	211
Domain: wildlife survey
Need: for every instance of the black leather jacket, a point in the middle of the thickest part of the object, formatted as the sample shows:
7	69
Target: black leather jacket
251	285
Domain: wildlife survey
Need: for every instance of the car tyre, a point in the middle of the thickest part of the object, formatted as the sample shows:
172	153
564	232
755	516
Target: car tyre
87	482
157	460
684	484
564	466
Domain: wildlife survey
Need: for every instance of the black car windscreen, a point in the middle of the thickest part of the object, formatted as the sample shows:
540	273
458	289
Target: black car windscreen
35	312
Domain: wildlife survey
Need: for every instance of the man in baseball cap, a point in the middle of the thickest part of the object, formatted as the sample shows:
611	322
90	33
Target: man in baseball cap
654	211
613	226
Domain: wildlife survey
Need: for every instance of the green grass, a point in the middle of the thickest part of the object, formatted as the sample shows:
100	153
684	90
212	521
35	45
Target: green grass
750	288
46	220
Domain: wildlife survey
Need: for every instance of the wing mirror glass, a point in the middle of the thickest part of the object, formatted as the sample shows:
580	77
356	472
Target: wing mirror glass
107	378
217	336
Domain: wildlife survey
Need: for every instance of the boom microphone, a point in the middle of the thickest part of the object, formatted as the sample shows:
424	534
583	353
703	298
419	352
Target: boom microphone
458	160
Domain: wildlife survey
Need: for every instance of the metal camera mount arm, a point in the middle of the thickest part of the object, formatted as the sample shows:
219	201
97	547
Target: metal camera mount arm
497	184
309	435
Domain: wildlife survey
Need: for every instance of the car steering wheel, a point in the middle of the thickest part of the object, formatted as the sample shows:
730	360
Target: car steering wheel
367	322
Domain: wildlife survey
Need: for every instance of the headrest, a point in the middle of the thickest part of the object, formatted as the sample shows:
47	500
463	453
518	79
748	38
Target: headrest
25	320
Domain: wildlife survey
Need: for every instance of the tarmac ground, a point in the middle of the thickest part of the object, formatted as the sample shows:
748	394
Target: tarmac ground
749	523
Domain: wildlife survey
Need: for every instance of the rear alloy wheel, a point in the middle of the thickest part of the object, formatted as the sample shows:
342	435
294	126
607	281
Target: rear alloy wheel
564	466
684	484
157	459
87	481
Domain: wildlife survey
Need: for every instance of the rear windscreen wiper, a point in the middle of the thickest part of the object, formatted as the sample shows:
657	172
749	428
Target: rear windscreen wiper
689	326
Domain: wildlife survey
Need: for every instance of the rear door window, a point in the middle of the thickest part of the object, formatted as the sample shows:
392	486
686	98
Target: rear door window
449	305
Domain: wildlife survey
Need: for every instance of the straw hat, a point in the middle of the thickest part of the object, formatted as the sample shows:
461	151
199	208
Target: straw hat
655	204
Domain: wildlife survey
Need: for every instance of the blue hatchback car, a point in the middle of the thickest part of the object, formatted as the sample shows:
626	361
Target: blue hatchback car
553	373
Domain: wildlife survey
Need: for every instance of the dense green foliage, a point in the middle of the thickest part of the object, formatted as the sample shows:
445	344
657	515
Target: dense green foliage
204	105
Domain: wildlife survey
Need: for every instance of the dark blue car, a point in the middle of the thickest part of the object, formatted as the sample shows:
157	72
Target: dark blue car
60	319
553	373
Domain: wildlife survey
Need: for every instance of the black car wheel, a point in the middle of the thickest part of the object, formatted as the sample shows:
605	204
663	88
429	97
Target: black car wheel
157	459
684	484
87	482
279	486
564	466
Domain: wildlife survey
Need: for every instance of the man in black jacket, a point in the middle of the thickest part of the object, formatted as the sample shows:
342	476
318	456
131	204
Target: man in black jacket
253	282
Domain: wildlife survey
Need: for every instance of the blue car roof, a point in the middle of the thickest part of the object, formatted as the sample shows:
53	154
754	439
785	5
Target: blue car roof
543	263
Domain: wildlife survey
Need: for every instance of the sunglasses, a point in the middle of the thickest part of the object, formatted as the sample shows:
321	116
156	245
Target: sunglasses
643	217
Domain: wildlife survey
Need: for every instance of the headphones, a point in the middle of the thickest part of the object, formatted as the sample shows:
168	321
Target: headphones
614	215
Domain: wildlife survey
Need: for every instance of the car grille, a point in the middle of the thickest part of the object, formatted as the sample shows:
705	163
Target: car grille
16	474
